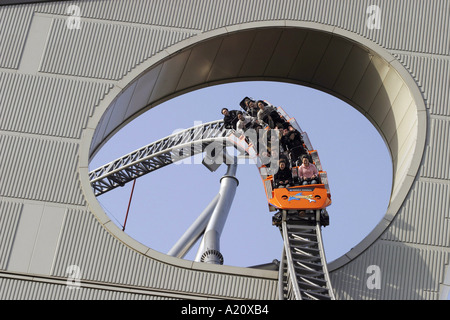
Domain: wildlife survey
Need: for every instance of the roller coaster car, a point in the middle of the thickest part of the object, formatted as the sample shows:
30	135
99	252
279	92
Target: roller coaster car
302	197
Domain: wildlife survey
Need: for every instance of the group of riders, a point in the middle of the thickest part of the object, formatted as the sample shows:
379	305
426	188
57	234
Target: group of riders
258	115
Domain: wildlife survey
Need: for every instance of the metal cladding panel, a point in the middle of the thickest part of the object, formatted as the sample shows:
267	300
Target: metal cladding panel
24	289
203	56
258	57
426	21
437	154
85	243
405	137
427	209
402	269
309	56
332	62
112	53
352	72
62	112
27	174
9	220
14	23
229	58
100	257
370	83
432	74
386	95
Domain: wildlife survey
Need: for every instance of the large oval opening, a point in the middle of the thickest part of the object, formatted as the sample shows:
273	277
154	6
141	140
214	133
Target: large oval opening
167	201
363	76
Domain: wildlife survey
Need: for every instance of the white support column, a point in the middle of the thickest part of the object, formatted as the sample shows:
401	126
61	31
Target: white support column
194	232
209	250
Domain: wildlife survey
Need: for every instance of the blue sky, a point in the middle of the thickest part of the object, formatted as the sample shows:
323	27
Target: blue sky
167	201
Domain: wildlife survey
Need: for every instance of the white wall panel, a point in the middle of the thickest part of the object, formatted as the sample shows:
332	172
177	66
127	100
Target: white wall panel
113	52
426	21
402	269
425	218
14	25
436	162
38	168
9	220
62	112
37	237
87	244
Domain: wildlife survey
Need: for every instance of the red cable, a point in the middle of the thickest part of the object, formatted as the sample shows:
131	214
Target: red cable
129	202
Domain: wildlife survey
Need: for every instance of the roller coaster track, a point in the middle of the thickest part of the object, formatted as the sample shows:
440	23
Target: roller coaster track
303	273
156	155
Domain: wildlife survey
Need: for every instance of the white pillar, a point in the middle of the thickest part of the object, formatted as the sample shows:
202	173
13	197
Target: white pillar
209	250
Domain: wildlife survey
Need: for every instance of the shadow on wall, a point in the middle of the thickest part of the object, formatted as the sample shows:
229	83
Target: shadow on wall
391	269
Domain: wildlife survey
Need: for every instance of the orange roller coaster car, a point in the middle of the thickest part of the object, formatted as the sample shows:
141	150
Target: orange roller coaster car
308	197
299	197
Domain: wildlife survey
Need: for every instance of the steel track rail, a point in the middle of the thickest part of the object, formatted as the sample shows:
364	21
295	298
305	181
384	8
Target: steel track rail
303	273
156	155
